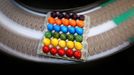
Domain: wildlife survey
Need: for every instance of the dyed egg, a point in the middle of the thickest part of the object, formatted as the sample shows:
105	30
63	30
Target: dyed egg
51	20
53	51
77	54
64	29
56	35
66	16
70	44
50	27
60	15
72	23
78	38
65	22
71	30
79	30
53	14
73	15
61	52
57	28
63	36
46	41
58	21
80	23
62	44
45	49
81	17
70	37
54	42
69	52
78	45
48	34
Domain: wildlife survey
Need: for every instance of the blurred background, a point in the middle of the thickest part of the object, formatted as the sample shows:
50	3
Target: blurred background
115	63
120	63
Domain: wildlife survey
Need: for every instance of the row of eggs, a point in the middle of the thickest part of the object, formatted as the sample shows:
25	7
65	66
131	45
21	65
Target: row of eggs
67	15
63	36
65	29
63	44
61	52
66	22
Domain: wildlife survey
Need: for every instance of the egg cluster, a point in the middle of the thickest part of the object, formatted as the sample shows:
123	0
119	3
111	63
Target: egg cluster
64	35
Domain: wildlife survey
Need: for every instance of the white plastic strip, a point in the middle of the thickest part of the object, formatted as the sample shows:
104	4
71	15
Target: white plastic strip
18	29
48	60
89	11
101	28
33	58
27	10
108	52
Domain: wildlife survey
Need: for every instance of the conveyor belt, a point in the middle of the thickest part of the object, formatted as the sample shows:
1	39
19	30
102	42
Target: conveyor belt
20	16
118	36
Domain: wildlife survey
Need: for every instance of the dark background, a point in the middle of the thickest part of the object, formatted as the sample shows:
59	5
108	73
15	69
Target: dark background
44	6
56	4
122	63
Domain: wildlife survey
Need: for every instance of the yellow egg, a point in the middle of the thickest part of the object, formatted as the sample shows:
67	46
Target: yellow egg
62	43
46	41
54	42
78	45
70	44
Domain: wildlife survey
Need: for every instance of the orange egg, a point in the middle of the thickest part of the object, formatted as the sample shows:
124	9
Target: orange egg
65	22
58	21
80	23
72	22
51	20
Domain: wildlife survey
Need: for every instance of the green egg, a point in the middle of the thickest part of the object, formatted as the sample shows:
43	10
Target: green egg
63	36
56	35
70	37
48	34
78	38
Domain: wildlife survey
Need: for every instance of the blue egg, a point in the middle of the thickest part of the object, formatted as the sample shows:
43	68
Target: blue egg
71	30
50	27
57	28
64	29
79	30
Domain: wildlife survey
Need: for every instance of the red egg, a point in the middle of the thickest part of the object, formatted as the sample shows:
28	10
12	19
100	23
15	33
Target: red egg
77	54
53	51
69	52
45	49
61	52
